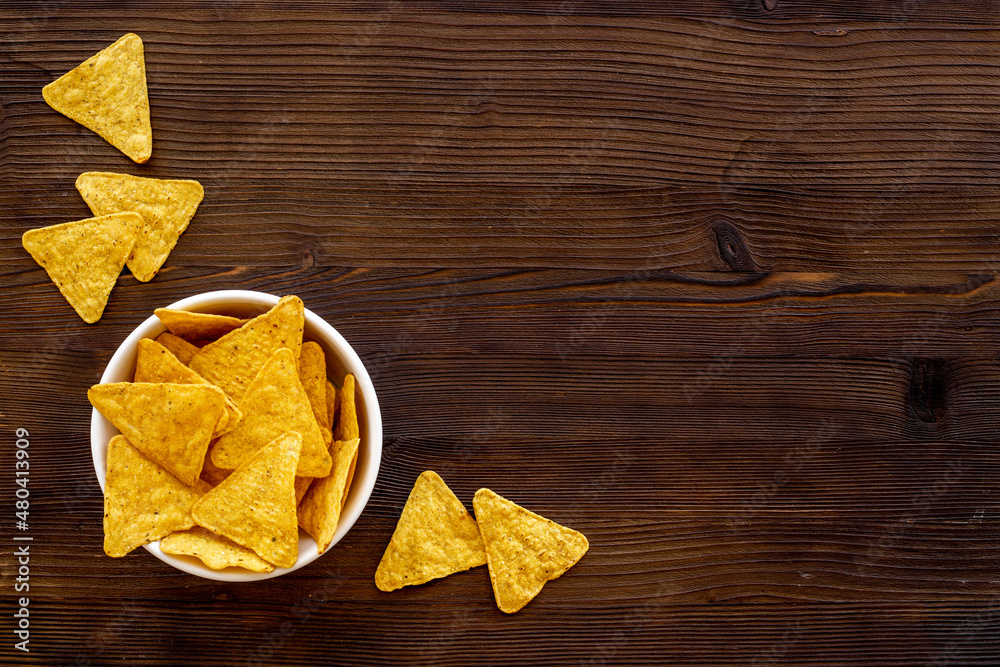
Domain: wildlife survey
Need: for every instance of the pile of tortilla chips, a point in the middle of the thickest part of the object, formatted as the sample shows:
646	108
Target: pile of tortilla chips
229	441
436	536
107	93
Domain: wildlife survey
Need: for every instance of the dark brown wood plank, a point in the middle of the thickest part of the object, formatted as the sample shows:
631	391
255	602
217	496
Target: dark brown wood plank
299	221
900	635
561	314
631	144
627	105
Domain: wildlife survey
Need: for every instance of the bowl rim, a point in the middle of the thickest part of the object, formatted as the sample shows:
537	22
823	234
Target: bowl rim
366	471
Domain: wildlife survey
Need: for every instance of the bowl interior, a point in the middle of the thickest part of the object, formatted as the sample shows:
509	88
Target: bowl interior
341	360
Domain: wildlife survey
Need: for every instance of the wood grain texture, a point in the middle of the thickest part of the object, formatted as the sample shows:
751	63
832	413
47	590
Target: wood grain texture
714	283
471	139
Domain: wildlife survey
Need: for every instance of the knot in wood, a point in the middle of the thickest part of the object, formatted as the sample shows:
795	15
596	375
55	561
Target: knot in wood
928	389
732	249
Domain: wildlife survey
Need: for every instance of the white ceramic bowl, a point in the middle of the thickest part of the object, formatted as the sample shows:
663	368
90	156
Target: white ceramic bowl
341	360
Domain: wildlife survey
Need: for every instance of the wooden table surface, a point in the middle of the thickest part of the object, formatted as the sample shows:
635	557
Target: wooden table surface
713	282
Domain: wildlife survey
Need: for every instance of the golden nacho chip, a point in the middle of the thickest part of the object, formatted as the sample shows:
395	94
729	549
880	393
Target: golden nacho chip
142	501
107	94
255	505
212	473
302	483
523	550
181	349
167	206
222	425
195	326
85	257
301	486
213	550
319	511
347	421
155	363
273	404
331	404
232	362
434	537
350	478
172	424
312	374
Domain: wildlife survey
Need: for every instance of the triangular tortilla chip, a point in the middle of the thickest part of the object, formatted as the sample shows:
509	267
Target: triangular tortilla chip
523	550
301	486
142	501
319	511
347	421
302	483
183	350
331	404
84	258
435	537
155	363
274	403
255	506
312	373
192	326
347	482
166	206
107	94
172	424
212	473
232	362
214	551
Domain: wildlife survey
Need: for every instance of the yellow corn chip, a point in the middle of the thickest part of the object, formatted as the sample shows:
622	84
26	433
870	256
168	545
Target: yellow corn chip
166	206
435	537
142	501
347	422
319	511
301	486
84	258
155	363
523	550
350	428
302	483
214	551
181	349
223	425
172	424
274	403
255	506
195	326
312	373
212	473
107	94
350	478
331	404
233	361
